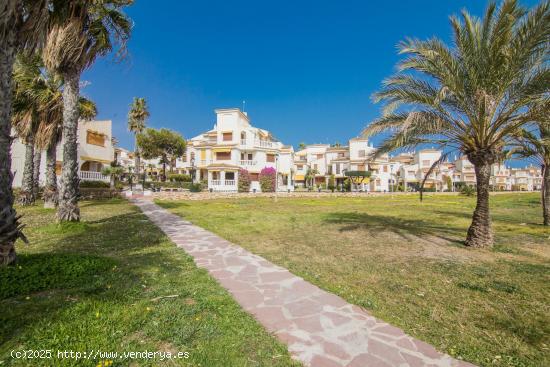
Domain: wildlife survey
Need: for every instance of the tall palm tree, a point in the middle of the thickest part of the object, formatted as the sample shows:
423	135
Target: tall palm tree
80	31
51	128
536	146
136	123
22	26
28	86
470	97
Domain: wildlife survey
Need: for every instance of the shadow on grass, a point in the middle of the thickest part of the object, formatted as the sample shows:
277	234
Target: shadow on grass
86	257
409	229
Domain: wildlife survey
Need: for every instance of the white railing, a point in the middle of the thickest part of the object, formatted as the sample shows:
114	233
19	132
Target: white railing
93	176
215	182
243	141
264	144
248	163
229	182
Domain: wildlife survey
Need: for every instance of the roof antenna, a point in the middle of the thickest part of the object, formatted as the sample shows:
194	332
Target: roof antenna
244	104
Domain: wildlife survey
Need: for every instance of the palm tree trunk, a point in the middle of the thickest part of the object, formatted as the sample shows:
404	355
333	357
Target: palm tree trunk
136	155
546	193
9	226
480	233
112	183
68	209
37	159
50	189
26	195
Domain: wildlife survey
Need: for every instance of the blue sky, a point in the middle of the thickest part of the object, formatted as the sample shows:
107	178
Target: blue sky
306	68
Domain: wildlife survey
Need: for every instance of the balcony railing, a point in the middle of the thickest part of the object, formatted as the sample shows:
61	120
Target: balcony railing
248	163
225	182
264	144
93	176
243	141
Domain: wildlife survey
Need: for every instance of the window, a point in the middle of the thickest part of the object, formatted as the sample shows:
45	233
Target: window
299	167
229	175
361	153
341	155
337	168
254	177
315	167
94	138
426	162
361	167
319	156
223	156
227	136
270	157
385	168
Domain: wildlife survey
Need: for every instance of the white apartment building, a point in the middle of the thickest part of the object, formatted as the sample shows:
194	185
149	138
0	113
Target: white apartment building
95	151
217	155
326	160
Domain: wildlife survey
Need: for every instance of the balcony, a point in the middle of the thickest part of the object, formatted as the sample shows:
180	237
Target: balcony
247	163
229	182
243	141
264	144
93	176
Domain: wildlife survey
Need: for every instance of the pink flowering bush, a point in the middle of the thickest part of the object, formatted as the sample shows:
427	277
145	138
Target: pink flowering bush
267	179
244	180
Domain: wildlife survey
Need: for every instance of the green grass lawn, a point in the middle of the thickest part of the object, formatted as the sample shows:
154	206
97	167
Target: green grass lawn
97	285
404	261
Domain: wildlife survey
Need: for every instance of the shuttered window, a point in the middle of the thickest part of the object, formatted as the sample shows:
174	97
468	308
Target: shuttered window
94	138
270	157
227	136
223	156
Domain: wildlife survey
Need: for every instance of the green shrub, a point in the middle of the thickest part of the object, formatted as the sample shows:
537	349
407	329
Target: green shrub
174	177
467	190
41	272
94	184
196	187
332	183
347	185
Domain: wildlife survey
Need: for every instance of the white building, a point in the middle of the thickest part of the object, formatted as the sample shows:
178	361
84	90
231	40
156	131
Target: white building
217	155
95	151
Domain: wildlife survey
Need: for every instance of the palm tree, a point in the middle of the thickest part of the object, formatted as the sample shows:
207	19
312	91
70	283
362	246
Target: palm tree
79	32
536	146
28	86
136	123
50	131
21	27
470	97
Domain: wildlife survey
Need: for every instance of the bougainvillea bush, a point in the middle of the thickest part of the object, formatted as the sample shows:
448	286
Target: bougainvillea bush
267	179
244	180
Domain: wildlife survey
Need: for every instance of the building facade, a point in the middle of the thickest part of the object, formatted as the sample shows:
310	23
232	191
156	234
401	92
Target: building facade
216	156
95	151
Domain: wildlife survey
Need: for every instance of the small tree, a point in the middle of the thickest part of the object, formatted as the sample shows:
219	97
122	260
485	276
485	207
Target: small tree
164	144
114	171
244	180
358	177
267	179
332	183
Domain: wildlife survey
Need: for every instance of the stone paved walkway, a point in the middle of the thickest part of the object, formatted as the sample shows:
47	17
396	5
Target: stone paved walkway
320	329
